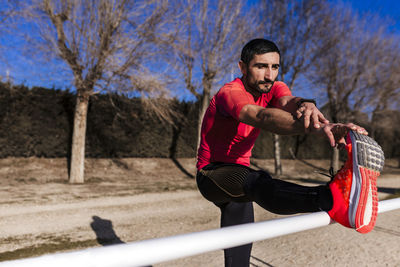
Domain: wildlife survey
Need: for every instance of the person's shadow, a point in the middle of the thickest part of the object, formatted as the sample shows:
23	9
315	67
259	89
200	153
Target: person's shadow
104	232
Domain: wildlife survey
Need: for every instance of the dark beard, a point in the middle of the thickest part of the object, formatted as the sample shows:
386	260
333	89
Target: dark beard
267	82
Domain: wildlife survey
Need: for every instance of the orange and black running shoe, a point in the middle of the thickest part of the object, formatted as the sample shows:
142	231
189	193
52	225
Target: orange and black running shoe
354	191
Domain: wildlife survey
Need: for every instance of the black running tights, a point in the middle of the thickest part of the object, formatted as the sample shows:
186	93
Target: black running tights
274	195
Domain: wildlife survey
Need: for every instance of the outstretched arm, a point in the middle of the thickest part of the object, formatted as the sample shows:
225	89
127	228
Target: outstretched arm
281	122
274	120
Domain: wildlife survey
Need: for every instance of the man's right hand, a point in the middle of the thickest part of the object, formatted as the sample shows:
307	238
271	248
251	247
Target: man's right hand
310	115
337	132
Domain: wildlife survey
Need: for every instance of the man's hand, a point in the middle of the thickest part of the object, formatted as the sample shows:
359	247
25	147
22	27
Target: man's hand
310	115
337	132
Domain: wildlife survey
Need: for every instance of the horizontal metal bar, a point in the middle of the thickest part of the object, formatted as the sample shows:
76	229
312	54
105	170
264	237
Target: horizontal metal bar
158	250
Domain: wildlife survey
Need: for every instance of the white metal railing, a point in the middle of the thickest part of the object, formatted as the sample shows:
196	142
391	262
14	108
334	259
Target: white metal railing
158	250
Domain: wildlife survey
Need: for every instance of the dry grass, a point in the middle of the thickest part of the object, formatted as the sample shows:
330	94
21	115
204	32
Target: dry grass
46	180
52	245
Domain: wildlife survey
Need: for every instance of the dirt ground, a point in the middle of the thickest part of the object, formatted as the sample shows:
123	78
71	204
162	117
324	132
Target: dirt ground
126	200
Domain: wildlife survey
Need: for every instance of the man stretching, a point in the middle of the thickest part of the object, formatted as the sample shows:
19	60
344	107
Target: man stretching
230	127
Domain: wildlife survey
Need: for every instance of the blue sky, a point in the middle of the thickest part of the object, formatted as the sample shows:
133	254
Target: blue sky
21	70
384	8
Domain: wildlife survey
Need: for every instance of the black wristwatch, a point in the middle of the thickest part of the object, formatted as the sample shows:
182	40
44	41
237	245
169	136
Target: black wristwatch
305	100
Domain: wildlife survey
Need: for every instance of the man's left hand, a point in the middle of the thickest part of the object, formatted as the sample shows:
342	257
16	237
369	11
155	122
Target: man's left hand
337	132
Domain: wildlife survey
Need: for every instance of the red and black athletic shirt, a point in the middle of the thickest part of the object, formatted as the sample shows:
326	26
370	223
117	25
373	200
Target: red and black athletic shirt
223	137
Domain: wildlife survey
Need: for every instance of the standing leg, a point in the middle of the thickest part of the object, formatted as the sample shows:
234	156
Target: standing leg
233	187
234	213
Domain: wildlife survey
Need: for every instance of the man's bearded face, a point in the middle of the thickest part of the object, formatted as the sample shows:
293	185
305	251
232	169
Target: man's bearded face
261	72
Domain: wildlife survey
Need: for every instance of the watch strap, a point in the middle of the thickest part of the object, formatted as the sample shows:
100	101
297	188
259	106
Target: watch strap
306	100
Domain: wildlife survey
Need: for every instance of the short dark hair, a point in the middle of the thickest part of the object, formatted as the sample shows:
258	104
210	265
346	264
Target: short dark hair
257	47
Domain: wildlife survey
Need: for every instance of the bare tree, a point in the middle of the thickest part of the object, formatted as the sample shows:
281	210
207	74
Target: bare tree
103	43
383	94
7	12
383	74
293	26
211	34
351	69
329	65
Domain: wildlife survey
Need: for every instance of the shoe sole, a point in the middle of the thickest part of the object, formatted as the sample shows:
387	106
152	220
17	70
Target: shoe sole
368	161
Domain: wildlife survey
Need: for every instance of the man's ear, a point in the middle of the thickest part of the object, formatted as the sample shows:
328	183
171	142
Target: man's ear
242	67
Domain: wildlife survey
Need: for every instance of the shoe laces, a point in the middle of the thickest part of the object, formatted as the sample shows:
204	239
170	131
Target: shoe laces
331	174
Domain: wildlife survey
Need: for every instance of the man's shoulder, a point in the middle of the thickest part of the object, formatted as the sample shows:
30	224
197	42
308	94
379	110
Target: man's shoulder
278	85
278	90
235	84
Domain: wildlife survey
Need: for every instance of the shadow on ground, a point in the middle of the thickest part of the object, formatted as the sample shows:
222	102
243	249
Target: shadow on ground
257	262
181	168
387	231
105	233
104	230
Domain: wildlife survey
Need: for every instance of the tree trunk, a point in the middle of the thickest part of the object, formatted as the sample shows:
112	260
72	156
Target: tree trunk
277	155
204	101
176	131
335	159
78	139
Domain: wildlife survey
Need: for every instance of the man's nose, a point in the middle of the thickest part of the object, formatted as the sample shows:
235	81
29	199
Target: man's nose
268	73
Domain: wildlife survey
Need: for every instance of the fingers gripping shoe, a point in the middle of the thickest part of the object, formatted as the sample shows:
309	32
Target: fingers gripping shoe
354	192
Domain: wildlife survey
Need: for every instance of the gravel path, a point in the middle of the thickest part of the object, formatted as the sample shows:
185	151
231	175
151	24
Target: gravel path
41	218
132	218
